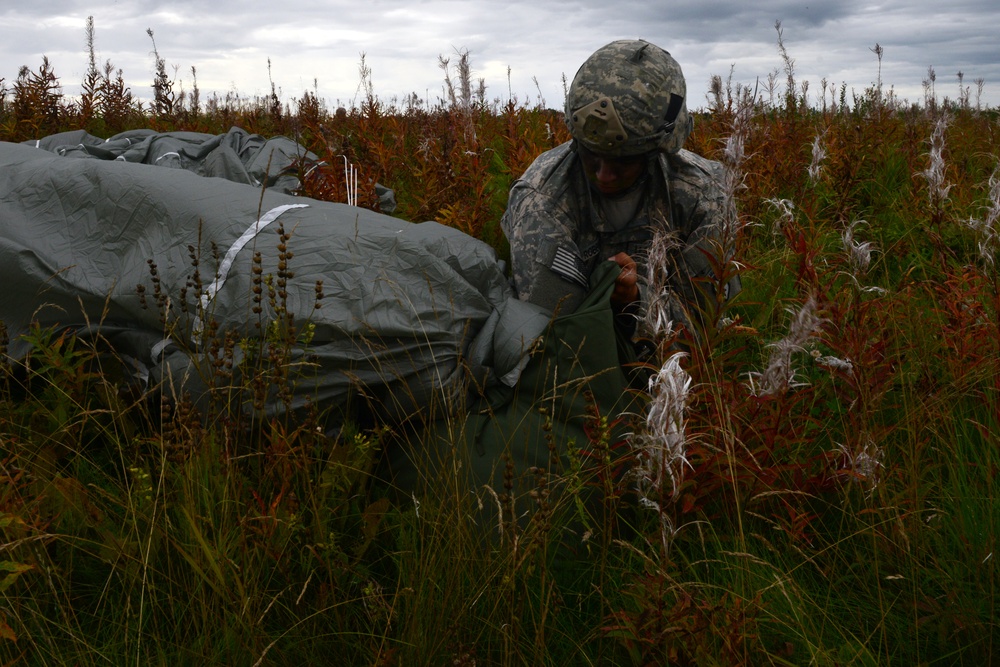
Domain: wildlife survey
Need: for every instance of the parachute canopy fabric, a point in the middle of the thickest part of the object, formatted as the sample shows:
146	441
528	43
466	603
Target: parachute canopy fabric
236	156
402	303
574	392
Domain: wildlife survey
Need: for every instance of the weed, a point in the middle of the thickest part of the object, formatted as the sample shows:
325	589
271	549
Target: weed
822	463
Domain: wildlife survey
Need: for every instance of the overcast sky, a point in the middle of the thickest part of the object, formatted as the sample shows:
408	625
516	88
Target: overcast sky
317	44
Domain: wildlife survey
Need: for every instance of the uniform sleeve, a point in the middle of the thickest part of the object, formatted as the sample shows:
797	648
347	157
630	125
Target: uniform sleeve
547	268
702	213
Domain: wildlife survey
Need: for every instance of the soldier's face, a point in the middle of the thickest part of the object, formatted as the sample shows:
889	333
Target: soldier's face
611	175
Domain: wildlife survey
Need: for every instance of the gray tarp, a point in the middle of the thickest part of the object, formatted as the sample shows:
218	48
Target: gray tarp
236	156
402	302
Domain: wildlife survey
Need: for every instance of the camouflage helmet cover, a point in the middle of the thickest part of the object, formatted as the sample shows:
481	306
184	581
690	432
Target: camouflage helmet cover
627	99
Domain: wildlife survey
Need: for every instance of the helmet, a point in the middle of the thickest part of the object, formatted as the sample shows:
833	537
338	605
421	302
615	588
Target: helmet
627	99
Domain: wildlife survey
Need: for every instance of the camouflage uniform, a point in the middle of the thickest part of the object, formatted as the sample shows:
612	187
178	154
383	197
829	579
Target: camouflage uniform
558	231
556	222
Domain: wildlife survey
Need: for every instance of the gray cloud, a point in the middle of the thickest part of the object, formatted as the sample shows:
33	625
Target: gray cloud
320	42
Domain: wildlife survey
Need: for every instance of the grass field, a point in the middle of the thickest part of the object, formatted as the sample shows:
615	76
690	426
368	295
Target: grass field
829	488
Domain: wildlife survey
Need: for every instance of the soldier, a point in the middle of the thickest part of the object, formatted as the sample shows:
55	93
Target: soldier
622	179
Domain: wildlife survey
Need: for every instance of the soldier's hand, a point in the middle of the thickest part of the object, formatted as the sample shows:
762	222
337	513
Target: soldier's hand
626	284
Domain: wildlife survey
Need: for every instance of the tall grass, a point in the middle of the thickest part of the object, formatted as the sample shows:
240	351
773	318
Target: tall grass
826	490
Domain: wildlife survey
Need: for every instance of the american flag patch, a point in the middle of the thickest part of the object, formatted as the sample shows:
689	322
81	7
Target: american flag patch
568	265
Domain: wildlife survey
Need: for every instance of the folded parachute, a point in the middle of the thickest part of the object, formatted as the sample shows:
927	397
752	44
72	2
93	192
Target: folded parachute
408	313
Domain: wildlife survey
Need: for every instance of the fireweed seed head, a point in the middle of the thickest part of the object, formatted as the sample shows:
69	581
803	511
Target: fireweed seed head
836	364
863	461
662	305
937	189
859	254
818	154
780	375
662	446
988	227
786	211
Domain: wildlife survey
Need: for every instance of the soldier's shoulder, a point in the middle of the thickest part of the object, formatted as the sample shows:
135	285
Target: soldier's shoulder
551	167
696	183
693	167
